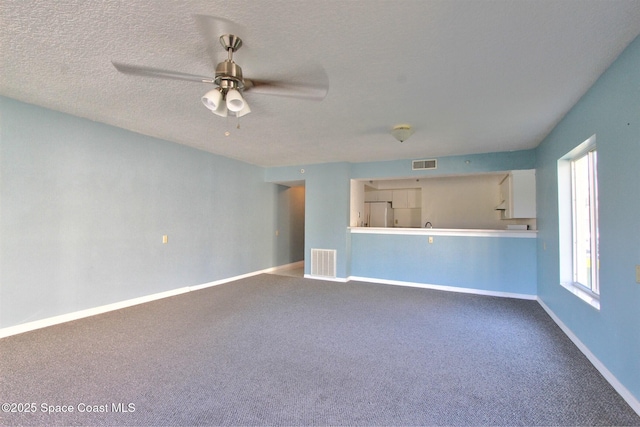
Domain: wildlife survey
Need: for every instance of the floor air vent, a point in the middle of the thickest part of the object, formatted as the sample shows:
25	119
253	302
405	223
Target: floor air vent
424	164
323	262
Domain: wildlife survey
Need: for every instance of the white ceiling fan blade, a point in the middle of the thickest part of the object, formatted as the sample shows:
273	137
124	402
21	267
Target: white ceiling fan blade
307	82
137	70
289	90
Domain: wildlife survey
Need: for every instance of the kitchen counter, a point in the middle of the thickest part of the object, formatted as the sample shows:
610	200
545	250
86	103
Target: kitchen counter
492	262
527	234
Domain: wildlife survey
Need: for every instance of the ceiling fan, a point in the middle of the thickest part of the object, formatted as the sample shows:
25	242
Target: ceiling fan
226	97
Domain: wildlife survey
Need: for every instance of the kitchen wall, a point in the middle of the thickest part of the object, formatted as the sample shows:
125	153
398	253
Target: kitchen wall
85	205
611	111
460	201
356	204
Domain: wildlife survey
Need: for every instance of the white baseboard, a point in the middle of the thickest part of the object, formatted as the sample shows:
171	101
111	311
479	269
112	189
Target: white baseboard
227	280
617	385
291	266
68	317
444	288
330	279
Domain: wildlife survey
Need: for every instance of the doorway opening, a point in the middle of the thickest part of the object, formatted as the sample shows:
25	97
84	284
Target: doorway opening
289	239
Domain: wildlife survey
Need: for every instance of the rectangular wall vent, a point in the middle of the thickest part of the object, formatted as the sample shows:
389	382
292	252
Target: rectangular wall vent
323	262
424	164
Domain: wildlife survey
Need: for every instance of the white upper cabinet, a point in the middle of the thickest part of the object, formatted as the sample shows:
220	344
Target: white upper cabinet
399	199
378	196
407	198
518	191
414	198
385	195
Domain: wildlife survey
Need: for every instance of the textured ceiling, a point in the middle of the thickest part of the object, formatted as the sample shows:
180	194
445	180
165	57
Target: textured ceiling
469	76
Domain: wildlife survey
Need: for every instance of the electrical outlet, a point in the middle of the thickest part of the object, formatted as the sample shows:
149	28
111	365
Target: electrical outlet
430	239
165	239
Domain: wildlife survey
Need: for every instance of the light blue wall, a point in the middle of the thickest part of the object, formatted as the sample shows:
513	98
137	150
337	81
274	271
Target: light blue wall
84	206
611	111
328	194
327	197
451	165
494	264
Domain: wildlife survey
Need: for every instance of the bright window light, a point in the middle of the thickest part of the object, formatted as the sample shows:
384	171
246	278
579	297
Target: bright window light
578	222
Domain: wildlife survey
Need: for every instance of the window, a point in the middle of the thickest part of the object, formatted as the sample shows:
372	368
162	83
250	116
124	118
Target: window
585	220
578	222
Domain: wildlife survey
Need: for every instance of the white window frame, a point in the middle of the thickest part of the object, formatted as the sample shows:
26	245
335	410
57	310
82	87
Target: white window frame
566	225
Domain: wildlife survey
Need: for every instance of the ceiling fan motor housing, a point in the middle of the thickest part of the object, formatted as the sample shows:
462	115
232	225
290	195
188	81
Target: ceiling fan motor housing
229	75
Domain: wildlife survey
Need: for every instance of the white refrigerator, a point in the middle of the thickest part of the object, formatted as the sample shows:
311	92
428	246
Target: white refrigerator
378	214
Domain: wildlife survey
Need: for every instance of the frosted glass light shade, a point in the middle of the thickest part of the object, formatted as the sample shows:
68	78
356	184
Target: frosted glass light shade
221	110
235	102
401	132
245	110
212	99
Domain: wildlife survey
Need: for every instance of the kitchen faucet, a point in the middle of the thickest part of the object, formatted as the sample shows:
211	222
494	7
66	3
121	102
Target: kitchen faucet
428	225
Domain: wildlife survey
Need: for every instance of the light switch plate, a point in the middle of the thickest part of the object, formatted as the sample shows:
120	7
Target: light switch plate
430	239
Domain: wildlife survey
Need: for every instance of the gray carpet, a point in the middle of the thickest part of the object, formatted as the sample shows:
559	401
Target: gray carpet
274	350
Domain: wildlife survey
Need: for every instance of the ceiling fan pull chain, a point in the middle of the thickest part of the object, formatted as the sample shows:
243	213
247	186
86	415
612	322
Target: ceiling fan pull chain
226	122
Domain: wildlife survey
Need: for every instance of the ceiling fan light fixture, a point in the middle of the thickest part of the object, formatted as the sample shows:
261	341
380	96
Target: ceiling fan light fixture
235	102
245	110
402	132
221	110
212	99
